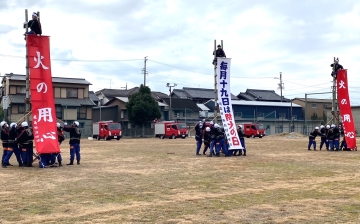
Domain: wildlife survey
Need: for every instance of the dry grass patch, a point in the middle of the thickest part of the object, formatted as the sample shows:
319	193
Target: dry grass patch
162	181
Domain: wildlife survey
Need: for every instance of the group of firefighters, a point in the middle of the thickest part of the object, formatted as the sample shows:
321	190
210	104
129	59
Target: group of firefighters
330	137
18	140
213	135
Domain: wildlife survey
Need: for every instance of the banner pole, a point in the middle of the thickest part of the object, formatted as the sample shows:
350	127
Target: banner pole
215	85
27	82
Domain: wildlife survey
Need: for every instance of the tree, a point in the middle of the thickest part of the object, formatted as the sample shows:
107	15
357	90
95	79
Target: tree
142	108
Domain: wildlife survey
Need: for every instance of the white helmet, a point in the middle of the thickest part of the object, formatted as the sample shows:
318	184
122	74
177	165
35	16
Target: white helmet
58	125
211	122
76	123
216	125
333	126
207	129
13	125
2	123
322	126
203	120
24	124
316	128
240	126
327	126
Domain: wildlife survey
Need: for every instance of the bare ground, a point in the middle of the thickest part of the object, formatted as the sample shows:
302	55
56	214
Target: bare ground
162	181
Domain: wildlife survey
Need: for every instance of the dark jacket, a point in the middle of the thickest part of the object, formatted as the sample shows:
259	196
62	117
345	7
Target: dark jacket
12	136
336	132
219	134
35	26
323	133
220	53
241	133
330	134
4	137
337	67
198	132
25	138
207	137
61	136
313	134
75	134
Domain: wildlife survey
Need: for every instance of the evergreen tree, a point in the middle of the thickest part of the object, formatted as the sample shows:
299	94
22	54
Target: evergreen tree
142	108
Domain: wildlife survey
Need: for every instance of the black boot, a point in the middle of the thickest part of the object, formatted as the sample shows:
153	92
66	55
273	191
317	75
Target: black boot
3	165
71	163
60	164
78	162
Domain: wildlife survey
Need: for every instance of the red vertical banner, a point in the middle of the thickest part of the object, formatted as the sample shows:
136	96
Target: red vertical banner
345	108
42	95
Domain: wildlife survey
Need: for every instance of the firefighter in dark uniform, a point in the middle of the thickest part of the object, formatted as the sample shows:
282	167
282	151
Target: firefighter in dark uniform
61	138
323	136
336	69
312	137
331	137
75	135
5	142
240	132
336	141
25	140
220	141
343	144
327	143
212	139
207	139
198	137
13	145
218	53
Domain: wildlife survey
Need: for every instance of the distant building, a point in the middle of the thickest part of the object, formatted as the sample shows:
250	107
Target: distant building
314	109
261	95
198	95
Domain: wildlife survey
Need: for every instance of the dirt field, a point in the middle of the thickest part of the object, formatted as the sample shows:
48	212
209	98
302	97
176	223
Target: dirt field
162	181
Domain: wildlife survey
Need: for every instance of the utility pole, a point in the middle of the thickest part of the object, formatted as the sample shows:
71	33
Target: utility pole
27	82
215	83
281	86
144	70
168	85
335	108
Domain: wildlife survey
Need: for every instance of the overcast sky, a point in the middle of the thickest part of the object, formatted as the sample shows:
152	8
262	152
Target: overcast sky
263	38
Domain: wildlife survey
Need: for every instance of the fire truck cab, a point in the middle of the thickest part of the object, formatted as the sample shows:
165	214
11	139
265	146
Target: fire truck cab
171	129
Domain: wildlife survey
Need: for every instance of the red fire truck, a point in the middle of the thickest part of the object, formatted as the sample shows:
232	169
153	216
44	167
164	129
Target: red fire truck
253	130
107	130
171	129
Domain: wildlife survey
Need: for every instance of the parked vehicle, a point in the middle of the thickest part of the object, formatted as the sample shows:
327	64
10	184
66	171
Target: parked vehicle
253	130
171	129
107	130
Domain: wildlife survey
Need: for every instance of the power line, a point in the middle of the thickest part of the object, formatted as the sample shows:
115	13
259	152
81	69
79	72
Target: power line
77	60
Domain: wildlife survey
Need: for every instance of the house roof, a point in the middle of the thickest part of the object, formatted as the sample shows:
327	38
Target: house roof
126	99
199	93
18	77
180	93
182	104
261	95
314	100
202	107
112	93
93	97
261	103
62	101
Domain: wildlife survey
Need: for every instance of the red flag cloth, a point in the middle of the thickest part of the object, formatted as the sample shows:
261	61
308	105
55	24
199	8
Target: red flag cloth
345	109
42	95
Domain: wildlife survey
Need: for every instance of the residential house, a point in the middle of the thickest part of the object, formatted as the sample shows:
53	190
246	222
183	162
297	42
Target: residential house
72	100
198	95
184	110
261	95
314	109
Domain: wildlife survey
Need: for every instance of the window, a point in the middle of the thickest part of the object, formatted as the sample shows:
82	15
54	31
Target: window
313	105
325	106
238	114
294	117
260	114
82	113
282	115
174	126
21	109
20	89
58	112
253	127
71	93
81	93
57	92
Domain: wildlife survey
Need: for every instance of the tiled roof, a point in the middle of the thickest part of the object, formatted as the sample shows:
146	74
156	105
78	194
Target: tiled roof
202	93
112	93
126	99
182	104
93	97
54	79
261	95
262	103
65	102
179	93
202	107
